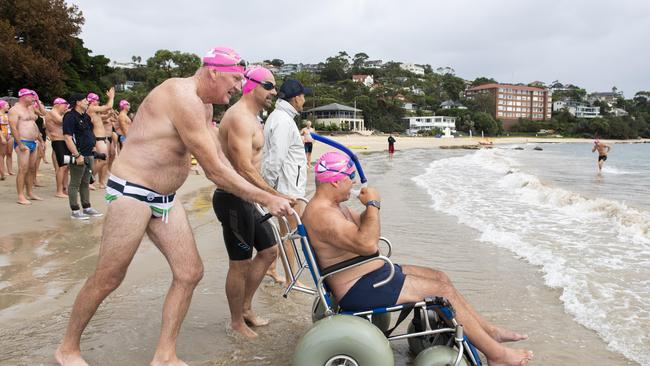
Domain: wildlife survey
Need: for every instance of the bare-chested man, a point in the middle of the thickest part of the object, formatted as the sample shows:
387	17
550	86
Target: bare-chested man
603	150
95	111
338	233
124	121
241	137
5	137
109	121
54	127
305	133
173	122
22	119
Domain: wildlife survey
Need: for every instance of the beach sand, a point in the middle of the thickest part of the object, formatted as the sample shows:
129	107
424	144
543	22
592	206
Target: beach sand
44	257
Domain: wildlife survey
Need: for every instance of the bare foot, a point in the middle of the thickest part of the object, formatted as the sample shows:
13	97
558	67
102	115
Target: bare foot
174	362
512	357
502	335
23	201
101	186
92	187
61	195
34	197
251	318
244	330
10	173
275	276
38	184
69	359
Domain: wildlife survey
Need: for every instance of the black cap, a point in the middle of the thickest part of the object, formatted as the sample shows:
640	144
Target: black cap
74	98
291	88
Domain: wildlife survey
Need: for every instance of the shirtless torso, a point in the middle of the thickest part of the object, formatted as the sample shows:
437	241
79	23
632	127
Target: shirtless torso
306	134
22	119
54	124
330	254
124	123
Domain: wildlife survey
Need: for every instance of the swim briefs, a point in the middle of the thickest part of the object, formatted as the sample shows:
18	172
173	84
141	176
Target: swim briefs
363	296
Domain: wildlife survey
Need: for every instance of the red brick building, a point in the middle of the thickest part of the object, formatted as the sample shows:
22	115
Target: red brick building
512	102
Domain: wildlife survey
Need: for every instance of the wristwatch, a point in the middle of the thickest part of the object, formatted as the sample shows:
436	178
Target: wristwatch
374	203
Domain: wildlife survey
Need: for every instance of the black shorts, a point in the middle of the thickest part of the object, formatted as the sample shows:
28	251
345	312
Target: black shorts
602	157
309	146
241	228
60	149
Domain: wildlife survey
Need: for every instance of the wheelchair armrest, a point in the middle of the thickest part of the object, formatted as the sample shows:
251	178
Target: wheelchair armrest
388	244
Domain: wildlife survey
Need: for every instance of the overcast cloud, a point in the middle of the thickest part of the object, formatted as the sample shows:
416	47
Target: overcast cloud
593	44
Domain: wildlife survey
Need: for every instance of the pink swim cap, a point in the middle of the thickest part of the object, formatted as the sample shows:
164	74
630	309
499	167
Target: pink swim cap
25	92
3	103
254	76
92	97
58	101
333	166
124	103
224	59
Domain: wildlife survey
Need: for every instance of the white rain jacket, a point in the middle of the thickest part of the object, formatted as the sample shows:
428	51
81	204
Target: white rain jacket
284	166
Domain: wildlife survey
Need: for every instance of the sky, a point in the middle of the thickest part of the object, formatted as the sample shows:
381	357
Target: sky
594	44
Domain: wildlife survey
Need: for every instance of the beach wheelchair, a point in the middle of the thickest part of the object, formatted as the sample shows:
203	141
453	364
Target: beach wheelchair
362	338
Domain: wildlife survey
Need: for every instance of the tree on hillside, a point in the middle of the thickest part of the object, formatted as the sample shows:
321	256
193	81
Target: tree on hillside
37	37
482	81
85	73
359	60
167	64
336	68
276	62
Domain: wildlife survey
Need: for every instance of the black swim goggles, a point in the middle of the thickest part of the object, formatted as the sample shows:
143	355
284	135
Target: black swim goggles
267	85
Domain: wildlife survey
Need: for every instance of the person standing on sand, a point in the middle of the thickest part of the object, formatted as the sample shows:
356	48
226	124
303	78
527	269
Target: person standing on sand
308	141
95	111
603	150
284	166
173	122
391	146
54	127
242	137
4	136
22	119
80	142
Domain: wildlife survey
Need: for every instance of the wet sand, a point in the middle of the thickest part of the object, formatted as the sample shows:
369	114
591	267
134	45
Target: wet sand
44	257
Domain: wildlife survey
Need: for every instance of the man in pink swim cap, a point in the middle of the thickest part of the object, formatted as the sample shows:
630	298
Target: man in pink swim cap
54	127
22	121
339	233
241	137
173	122
97	112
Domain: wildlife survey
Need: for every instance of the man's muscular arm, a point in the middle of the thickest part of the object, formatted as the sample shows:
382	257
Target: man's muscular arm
13	123
193	129
240	150
335	229
106	107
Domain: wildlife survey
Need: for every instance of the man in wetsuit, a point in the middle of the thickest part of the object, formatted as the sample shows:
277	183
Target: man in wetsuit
22	119
173	122
54	127
603	150
95	111
241	136
339	233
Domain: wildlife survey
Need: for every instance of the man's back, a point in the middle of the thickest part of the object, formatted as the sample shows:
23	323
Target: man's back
154	154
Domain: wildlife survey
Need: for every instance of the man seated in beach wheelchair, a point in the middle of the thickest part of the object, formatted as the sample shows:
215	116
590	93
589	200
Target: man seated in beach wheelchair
357	289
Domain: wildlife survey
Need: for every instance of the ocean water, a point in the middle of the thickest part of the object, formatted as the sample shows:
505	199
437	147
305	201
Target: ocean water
588	232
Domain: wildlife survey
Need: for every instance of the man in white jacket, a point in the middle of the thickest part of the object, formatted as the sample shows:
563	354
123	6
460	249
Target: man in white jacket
284	163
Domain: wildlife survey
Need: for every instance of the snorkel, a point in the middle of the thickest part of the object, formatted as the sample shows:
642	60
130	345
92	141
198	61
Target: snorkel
346	151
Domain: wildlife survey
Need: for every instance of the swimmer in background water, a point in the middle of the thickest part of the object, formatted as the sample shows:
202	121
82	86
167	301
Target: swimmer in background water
603	150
